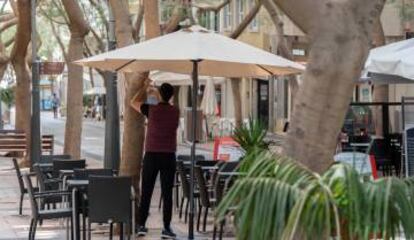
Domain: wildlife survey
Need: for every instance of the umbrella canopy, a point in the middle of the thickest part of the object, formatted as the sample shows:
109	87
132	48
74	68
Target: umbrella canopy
395	59
218	55
209	102
177	79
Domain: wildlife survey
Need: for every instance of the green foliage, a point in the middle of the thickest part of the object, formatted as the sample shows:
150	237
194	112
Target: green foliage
251	136
277	198
7	96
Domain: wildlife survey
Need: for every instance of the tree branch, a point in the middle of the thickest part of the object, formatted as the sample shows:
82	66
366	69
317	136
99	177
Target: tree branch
138	23
6	17
8	24
246	21
175	19
59	41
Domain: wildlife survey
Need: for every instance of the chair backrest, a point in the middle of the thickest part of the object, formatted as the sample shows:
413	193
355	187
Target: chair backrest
19	175
206	163
41	178
67	164
187	158
84	174
379	148
109	199
228	166
32	199
202	186
184	179
51	158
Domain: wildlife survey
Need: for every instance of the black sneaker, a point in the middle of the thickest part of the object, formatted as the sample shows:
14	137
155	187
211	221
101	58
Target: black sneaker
141	231
167	233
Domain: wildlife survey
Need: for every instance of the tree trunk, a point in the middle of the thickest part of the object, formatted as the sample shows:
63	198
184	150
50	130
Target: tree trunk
23	78
78	30
339	43
381	92
235	88
134	128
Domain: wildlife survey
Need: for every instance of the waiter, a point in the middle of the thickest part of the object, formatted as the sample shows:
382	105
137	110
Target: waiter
160	148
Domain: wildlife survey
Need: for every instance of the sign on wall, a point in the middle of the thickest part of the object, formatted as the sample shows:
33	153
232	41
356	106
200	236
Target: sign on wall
51	68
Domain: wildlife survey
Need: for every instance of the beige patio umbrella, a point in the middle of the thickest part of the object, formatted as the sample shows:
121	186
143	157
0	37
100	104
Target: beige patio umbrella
195	51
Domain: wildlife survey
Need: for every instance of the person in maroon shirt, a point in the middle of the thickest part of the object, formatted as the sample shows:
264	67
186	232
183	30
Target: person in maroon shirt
160	148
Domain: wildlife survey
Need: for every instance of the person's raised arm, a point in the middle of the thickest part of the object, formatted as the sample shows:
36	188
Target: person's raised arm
139	98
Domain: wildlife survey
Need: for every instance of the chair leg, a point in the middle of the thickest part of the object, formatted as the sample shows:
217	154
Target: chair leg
111	231
221	229
214	231
160	203
31	229
200	208
121	231
21	203
186	211
181	208
205	219
89	230
34	229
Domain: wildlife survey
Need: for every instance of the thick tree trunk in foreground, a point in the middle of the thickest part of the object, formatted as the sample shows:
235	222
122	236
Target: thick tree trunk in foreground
23	77
78	30
381	92
134	129
340	39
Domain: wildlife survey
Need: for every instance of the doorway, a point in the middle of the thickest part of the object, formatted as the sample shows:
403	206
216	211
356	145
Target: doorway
263	102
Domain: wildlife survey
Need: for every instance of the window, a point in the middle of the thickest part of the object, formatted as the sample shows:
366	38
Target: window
254	24
240	11
227	17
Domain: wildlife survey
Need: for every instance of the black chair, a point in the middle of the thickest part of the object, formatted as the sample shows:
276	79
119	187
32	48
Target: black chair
187	160
380	151
185	184
205	201
206	163
66	164
111	200
40	215
51	158
23	189
84	174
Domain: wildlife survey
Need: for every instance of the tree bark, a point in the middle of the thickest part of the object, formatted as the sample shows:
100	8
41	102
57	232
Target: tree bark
134	122
339	35
23	77
246	21
381	92
78	30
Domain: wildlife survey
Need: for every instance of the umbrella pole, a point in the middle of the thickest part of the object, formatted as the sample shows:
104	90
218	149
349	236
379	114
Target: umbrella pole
193	147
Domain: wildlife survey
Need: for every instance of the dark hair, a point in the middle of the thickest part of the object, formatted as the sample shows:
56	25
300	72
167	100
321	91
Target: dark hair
166	91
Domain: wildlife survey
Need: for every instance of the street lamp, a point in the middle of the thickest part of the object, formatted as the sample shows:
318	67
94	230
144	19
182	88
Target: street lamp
35	118
112	148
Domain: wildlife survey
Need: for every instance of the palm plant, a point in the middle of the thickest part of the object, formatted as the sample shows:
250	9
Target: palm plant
251	135
279	199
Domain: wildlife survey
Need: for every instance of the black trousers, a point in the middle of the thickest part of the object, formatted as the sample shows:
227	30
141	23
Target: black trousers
154	163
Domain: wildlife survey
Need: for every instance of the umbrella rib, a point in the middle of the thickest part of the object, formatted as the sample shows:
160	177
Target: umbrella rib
124	65
263	68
